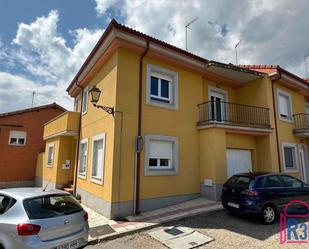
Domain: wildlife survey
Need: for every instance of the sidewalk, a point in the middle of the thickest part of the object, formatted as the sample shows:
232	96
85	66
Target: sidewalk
102	228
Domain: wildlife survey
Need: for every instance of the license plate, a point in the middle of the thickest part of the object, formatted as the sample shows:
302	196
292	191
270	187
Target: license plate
72	245
234	205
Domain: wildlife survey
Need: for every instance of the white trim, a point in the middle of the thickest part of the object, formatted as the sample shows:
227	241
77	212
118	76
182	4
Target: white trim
50	165
87	101
62	133
173	87
290	145
83	176
96	138
156	171
303	168
17	137
288	95
218	90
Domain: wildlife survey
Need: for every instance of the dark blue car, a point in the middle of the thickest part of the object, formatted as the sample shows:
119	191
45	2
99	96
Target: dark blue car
264	194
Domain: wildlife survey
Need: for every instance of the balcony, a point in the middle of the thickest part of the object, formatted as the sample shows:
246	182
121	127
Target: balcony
233	116
301	125
66	124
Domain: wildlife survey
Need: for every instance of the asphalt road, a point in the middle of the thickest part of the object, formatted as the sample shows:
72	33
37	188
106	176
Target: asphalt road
229	231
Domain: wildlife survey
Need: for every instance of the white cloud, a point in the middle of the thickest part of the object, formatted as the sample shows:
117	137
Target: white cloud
273	32
44	55
16	93
103	5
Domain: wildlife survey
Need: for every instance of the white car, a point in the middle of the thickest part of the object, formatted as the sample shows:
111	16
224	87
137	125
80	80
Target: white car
34	218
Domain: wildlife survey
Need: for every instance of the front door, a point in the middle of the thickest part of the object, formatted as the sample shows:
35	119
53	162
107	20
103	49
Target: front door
217	106
303	153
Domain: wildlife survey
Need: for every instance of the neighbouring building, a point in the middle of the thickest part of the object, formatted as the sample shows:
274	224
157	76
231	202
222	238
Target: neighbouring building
21	139
181	125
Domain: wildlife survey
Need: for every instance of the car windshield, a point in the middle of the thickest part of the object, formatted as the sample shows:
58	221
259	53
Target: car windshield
50	206
240	181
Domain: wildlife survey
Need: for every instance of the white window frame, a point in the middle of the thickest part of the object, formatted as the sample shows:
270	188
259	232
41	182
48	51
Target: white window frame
77	104
96	138
166	74
84	102
50	164
83	176
153	171
12	135
295	159
289	97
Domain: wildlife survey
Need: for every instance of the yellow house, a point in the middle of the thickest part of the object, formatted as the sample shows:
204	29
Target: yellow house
169	126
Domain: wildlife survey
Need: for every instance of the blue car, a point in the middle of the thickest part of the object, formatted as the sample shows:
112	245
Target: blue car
263	194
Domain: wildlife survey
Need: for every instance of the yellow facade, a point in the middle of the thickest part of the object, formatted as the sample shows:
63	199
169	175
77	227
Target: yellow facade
202	149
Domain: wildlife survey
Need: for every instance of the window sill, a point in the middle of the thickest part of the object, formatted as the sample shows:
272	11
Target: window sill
97	181
82	176
291	170
162	105
161	172
18	145
287	120
49	165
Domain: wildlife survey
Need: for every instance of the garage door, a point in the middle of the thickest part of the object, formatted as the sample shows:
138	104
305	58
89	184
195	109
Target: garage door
238	161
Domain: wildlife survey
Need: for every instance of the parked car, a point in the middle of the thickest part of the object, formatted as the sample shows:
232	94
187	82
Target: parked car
264	194
34	218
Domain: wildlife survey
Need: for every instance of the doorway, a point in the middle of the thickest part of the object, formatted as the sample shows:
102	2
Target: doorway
217	104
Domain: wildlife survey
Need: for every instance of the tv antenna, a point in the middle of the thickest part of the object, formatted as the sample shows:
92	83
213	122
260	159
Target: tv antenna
32	101
306	65
236	45
187	26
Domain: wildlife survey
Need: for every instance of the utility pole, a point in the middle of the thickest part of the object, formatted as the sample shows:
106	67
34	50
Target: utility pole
236	45
32	102
187	26
306	65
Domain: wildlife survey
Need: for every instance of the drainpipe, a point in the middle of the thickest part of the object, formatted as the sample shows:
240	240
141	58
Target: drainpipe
139	131
78	138
275	116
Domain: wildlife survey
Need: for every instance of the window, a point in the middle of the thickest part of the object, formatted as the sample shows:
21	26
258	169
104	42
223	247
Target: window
97	168
272	182
161	155
291	182
77	104
285	106
85	100
289	157
50	155
17	138
83	153
162	87
6	203
50	206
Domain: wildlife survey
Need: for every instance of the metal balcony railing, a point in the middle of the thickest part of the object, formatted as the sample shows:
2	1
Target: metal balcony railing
301	123
220	112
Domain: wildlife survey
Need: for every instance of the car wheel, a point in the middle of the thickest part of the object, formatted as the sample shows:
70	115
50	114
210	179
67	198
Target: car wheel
269	214
1	246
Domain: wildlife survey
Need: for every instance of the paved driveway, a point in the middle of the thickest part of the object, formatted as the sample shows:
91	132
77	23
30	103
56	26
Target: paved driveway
229	231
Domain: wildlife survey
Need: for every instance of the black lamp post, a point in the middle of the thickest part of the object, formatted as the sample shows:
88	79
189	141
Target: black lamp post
95	96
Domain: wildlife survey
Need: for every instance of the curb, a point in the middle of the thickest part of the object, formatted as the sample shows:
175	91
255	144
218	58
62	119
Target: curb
116	235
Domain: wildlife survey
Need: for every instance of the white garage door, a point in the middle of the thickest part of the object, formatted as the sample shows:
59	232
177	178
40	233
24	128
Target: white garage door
238	161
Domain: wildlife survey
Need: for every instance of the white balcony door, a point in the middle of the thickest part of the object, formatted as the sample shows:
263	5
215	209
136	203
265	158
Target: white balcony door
238	161
307	112
217	107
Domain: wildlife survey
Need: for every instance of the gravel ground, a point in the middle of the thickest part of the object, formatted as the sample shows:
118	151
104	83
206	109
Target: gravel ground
229	231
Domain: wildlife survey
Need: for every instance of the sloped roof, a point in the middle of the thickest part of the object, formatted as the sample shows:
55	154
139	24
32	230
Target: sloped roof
33	109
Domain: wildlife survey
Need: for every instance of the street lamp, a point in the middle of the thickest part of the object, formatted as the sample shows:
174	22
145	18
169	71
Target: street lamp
95	96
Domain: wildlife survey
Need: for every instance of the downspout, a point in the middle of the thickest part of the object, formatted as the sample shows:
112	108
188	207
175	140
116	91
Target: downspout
275	116
78	138
139	131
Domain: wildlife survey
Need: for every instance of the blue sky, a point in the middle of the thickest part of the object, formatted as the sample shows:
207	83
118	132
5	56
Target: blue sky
44	42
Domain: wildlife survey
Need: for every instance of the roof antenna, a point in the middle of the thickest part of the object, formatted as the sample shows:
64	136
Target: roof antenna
306	65
33	93
187	26
236	45
44	189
